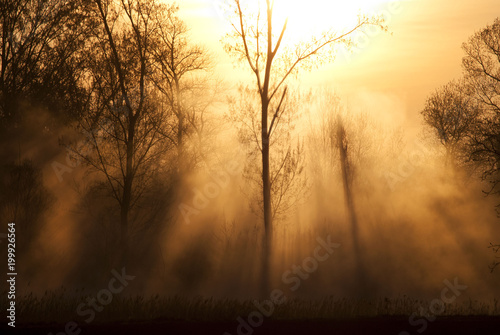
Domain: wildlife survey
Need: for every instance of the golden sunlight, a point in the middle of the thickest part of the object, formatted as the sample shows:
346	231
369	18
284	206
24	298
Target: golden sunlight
193	167
306	18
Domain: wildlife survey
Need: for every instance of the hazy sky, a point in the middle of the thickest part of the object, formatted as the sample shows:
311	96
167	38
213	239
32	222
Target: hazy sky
391	73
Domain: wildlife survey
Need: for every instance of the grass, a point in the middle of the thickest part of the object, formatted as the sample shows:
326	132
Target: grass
61	306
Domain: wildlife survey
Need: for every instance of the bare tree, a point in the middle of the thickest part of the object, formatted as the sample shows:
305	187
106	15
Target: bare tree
256	41
181	75
451	113
482	71
38	53
124	123
349	143
287	176
347	179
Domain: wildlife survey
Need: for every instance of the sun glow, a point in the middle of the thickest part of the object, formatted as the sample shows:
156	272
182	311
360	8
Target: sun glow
312	17
308	18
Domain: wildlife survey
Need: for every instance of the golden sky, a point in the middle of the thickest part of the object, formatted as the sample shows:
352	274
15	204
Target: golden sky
390	73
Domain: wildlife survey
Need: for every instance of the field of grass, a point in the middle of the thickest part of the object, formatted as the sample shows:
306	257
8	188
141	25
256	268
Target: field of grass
61	306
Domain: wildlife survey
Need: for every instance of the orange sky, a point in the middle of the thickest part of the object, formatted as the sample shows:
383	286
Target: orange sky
393	73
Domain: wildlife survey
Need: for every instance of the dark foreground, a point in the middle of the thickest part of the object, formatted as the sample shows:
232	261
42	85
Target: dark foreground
480	325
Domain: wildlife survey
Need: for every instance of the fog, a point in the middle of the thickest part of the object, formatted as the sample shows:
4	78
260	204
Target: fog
421	221
311	165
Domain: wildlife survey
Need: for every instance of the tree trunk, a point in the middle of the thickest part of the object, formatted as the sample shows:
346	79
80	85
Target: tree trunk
266	192
180	143
124	235
266	181
349	202
268	224
180	127
127	194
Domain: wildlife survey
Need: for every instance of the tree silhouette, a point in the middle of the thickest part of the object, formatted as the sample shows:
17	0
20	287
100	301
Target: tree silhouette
124	123
39	55
452	112
287	178
256	42
181	72
348	142
24	200
482	71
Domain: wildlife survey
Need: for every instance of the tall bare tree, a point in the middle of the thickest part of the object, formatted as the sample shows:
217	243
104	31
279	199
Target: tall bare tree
124	123
287	178
256	41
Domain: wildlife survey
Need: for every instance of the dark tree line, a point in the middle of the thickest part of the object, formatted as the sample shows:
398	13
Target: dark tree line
117	74
39	56
40	73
